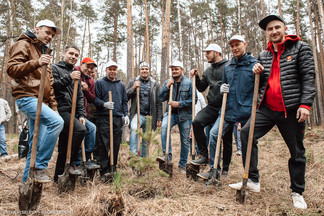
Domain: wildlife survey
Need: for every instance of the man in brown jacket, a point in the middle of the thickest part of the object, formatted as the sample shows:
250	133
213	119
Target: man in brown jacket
24	66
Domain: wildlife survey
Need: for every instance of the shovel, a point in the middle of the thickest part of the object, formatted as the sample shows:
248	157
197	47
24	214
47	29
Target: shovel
166	165
30	192
215	175
109	177
240	194
138	121
66	182
191	169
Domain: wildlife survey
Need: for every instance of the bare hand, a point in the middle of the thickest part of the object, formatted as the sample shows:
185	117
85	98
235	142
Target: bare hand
174	104
158	123
137	83
84	86
82	120
75	75
170	82
194	72
302	114
257	68
44	59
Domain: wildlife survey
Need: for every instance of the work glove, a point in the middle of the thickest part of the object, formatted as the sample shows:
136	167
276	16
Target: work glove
126	120
109	105
224	88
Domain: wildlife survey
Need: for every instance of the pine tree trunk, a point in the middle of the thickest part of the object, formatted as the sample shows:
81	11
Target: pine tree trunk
165	41
83	39
240	17
69	23
222	29
90	53
321	12
279	8
115	36
180	30
130	50
147	34
60	36
298	20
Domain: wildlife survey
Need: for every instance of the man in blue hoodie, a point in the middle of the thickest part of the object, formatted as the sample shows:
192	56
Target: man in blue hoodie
120	115
238	82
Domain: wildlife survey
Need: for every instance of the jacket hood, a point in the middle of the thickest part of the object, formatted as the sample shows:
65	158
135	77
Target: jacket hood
292	38
108	80
31	38
64	64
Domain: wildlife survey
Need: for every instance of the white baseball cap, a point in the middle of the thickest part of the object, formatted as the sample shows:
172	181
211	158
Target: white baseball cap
144	64
111	63
176	64
213	47
236	37
48	23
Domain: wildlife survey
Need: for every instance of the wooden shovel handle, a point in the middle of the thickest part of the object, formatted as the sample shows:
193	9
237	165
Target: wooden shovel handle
138	120
83	152
38	113
220	130
111	130
193	114
169	123
252	123
74	98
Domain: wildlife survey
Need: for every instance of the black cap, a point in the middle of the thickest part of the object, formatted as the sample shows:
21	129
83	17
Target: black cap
264	22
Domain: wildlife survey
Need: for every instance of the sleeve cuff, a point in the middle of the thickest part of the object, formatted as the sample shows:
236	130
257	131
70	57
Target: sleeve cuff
305	106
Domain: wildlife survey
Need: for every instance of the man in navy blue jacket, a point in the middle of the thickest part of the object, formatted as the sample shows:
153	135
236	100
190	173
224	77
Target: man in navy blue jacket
238	82
120	111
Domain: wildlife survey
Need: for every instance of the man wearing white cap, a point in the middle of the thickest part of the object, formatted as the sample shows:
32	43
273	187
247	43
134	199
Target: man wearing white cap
149	105
181	112
27	56
238	82
120	114
212	78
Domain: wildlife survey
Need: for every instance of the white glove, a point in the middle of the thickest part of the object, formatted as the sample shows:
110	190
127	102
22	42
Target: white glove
126	120
224	88
109	105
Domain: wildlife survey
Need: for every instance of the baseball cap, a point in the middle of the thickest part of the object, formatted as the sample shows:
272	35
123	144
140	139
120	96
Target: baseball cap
176	64
88	60
48	23
111	63
236	37
144	64
264	22
213	47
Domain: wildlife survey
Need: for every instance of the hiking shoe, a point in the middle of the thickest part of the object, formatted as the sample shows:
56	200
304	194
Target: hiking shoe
239	152
224	173
298	201
73	170
207	175
41	176
251	186
91	165
182	170
200	161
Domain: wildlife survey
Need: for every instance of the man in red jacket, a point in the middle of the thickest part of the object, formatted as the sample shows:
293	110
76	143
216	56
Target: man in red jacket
286	93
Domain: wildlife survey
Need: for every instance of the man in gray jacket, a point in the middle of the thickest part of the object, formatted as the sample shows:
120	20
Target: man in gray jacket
149	105
5	114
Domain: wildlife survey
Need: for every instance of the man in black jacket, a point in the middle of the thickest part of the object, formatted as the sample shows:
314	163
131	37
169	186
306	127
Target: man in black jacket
286	94
149	105
212	78
64	78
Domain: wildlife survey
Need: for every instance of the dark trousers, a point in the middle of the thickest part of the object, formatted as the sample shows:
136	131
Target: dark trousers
205	117
227	148
79	131
293	134
104	143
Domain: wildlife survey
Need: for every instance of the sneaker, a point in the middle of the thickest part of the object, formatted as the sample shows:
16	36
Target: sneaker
91	165
207	175
73	170
298	201
200	161
251	186
5	157
41	176
224	173
239	152
182	170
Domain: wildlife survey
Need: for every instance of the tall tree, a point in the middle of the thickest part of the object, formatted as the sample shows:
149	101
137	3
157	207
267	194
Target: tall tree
130	49
60	36
298	19
147	34
279	8
165	41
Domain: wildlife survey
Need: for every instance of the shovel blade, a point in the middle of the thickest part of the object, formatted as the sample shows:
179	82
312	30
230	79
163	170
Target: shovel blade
215	179
30	194
192	171
66	183
241	194
109	177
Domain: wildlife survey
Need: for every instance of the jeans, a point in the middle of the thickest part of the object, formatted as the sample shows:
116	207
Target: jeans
133	135
3	144
227	126
184	128
237	135
51	125
89	139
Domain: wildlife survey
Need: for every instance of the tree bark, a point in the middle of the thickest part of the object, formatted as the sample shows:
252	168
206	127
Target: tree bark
115	35
60	36
147	34
90	53
240	17
180	30
321	12
130	49
83	39
279	8
165	41
298	20
69	24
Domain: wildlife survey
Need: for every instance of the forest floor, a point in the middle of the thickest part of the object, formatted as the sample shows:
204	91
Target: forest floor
179	195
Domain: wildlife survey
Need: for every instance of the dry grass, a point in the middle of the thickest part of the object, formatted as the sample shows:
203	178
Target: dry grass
180	196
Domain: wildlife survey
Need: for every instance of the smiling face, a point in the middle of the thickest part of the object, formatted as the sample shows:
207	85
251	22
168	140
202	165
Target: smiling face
71	56
176	73
45	34
276	31
86	69
145	73
111	72
238	48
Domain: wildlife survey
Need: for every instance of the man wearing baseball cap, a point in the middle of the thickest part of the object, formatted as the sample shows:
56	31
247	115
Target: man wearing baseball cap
286	94
27	56
238	82
212	78
64	77
181	112
149	105
120	115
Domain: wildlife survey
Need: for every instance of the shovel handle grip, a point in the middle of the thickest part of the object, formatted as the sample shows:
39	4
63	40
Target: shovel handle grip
111	130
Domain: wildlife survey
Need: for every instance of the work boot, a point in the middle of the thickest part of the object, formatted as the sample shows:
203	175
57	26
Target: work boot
224	173
91	165
298	201
200	161
251	186
207	175
73	170
41	176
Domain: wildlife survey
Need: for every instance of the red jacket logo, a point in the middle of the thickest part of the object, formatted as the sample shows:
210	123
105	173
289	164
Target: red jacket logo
289	58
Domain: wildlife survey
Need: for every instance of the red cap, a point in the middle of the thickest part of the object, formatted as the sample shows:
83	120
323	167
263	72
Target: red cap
88	60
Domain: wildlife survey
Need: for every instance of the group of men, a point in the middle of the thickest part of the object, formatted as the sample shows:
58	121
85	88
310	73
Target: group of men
286	94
